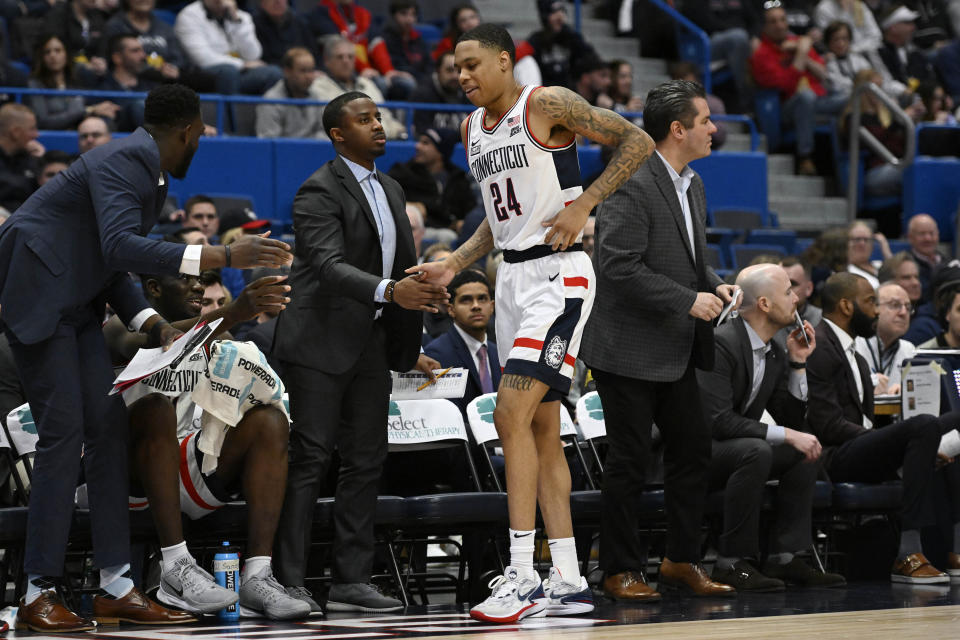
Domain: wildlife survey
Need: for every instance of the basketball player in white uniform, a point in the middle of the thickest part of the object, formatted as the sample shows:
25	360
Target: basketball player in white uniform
521	147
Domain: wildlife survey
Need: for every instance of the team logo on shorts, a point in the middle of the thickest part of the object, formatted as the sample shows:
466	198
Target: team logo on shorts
553	354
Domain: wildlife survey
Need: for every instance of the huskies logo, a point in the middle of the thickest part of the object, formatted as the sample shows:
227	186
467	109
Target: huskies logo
554	353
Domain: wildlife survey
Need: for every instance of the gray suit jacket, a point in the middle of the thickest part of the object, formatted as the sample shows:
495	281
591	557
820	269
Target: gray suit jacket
647	280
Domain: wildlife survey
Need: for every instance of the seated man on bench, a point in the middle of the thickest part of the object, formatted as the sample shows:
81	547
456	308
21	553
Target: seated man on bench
252	461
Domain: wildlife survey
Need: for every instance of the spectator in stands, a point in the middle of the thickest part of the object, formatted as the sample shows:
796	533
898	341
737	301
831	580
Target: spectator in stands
53	69
443	87
620	90
866	33
416	214
466	344
948	308
860	241
431	178
843	64
52	163
923	234
92	131
463	17
746	452
339	59
733	27
906	64
349	20
557	48
127	60
190	236
790	65
79	25
292	121
592	80
937	106
902	269
407	50
881	180
20	152
690	72
947	62
200	211
801	283
933	22
885	351
215	295
221	39
252	459
841	415
164	54
279	29
929	320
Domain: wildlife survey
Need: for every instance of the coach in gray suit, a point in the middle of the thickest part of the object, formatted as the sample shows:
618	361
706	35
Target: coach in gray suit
650	328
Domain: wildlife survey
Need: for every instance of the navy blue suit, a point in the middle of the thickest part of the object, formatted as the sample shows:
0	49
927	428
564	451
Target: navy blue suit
64	255
450	350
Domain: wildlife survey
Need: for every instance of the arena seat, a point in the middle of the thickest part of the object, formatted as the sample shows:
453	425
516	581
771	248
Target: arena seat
743	254
932	185
865	497
784	238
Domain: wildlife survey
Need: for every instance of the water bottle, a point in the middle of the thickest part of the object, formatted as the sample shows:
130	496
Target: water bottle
226	571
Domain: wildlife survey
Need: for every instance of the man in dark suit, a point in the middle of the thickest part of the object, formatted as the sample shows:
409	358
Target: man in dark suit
63	257
466	344
650	327
751	374
841	415
353	317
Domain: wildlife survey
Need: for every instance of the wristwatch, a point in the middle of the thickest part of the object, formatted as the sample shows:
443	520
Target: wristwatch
388	291
797	365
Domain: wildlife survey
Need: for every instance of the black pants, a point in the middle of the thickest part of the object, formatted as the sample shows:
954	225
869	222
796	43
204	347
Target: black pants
876	455
630	408
66	379
346	412
742	466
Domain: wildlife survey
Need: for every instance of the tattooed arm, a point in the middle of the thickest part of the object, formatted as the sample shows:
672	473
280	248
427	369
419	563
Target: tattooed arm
566	110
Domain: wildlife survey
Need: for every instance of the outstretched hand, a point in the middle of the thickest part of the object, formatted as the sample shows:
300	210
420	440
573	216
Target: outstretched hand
440	272
250	251
415	294
264	294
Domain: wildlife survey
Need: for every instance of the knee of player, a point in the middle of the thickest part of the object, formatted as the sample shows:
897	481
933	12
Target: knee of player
505	422
152	416
270	425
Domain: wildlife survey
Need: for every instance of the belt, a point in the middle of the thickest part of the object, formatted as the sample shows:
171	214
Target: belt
539	251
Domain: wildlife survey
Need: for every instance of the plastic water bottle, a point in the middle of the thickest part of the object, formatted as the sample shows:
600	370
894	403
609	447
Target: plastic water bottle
226	571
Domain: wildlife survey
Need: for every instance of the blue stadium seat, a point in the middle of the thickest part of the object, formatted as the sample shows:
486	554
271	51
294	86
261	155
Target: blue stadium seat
785	238
932	185
744	253
861	496
714	256
802	244
735	179
741	218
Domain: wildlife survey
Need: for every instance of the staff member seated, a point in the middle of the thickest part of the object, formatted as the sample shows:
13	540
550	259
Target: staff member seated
886	351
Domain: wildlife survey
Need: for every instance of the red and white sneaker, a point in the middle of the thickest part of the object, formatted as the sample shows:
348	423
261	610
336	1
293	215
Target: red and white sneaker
567	598
513	598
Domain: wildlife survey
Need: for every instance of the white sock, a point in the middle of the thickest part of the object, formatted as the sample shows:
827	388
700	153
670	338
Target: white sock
564	554
253	566
521	551
116	580
37	584
174	554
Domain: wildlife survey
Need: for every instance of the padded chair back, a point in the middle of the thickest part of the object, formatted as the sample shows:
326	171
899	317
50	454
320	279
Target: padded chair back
22	430
480	420
590	416
418	425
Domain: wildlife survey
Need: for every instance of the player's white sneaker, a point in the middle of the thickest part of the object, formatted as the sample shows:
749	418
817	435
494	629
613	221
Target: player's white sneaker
513	598
566	598
188	587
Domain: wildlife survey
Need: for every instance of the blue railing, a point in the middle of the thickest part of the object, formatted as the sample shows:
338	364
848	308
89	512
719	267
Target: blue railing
697	32
221	101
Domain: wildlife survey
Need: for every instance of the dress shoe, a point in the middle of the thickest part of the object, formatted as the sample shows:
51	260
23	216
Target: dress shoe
690	578
953	567
629	585
800	573
743	576
48	614
916	569
137	608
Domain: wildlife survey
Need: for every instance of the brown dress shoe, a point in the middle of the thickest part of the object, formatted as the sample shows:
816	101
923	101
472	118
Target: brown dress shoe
137	608
691	578
916	569
629	585
48	614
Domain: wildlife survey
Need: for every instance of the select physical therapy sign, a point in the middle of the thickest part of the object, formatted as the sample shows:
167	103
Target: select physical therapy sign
412	422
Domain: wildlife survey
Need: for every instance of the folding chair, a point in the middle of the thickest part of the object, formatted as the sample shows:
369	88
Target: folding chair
591	426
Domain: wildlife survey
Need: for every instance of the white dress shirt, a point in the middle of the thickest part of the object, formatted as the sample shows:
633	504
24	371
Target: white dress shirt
849	347
796	385
888	362
473	346
681	184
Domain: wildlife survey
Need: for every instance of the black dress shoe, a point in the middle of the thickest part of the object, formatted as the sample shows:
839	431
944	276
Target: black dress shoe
800	573
743	576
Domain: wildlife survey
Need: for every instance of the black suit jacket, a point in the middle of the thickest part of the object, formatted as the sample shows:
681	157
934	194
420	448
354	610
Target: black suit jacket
725	391
647	280
337	268
835	413
450	350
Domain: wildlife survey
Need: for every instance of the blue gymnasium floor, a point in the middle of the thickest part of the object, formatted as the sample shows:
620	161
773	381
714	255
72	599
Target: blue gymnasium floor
608	620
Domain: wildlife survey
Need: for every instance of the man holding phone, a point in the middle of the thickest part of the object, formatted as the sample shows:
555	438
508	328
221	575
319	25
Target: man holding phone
752	374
